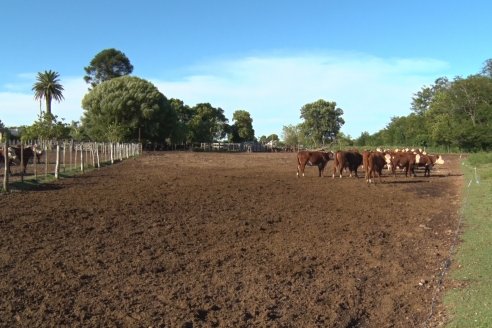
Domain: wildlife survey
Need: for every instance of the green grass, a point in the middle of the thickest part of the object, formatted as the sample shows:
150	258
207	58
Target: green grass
41	180
470	304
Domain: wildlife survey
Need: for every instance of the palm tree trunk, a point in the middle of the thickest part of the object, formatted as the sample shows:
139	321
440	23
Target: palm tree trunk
48	105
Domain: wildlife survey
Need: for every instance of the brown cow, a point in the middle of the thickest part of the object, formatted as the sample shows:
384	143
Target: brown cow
312	158
375	163
404	160
427	162
350	160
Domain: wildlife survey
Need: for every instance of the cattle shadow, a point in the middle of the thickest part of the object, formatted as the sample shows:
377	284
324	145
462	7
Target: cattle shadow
406	181
33	185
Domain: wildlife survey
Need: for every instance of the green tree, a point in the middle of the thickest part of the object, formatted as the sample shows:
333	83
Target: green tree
487	68
322	120
47	127
422	100
462	114
242	129
208	123
291	135
48	87
184	114
363	139
106	65
127	109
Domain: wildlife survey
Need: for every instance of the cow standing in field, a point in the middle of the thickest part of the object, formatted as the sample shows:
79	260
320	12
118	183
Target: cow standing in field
403	160
427	162
28	153
312	158
350	160
374	162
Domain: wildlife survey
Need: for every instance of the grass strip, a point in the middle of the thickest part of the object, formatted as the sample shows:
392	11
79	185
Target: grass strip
469	302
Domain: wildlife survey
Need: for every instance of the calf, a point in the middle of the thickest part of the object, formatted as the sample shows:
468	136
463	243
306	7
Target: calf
350	160
312	158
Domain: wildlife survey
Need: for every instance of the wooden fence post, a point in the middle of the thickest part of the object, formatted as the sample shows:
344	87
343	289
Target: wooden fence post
112	155
81	158
46	160
6	158
22	161
57	165
97	154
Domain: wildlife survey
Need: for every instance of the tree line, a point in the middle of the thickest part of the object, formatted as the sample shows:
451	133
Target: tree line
119	107
456	114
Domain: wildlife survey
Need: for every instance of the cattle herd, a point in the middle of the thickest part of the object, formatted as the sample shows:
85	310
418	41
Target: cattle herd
372	162
18	155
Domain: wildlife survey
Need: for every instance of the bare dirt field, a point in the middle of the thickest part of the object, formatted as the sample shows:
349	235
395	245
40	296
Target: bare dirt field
182	239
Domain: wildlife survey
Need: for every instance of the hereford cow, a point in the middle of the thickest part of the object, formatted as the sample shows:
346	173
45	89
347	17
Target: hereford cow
350	160
374	164
403	160
312	158
28	154
427	162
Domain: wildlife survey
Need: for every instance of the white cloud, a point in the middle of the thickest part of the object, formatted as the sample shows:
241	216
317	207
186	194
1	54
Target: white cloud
272	89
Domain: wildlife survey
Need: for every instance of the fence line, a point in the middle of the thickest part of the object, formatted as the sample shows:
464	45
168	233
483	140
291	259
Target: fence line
63	156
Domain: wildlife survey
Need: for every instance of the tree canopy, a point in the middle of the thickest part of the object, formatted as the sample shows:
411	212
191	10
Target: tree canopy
208	123
456	114
242	129
107	64
127	109
48	87
322	120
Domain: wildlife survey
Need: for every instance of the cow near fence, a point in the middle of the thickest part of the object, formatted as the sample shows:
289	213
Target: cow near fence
64	157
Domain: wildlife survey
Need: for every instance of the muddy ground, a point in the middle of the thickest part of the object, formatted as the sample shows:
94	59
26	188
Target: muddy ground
182	239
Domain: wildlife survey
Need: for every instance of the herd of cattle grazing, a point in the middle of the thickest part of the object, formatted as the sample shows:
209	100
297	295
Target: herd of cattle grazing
372	162
16	156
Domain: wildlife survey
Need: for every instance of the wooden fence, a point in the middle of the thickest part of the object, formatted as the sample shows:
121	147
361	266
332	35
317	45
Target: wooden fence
64	157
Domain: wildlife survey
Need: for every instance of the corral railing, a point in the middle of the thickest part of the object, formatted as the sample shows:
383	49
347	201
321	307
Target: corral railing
66	156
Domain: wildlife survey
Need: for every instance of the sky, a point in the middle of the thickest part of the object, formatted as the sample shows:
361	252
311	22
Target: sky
269	58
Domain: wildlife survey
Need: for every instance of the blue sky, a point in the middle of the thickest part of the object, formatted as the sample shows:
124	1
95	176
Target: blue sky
266	57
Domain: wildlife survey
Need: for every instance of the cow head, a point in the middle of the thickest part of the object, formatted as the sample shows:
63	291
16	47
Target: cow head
12	154
439	160
38	151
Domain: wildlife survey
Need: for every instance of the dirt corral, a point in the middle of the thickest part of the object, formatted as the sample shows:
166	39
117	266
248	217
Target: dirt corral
227	240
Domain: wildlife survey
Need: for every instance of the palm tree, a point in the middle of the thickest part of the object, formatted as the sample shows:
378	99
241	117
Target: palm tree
48	87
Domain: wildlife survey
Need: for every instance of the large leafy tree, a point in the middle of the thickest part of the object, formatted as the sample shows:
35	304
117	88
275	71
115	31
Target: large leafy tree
322	120
127	109
461	115
184	114
106	65
242	129
292	135
48	87
208	123
422	100
47	127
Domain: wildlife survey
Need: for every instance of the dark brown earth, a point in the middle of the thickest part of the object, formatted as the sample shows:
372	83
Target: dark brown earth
227	240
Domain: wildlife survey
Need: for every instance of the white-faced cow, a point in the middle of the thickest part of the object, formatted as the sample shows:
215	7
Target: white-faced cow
427	162
350	160
312	158
374	162
28	153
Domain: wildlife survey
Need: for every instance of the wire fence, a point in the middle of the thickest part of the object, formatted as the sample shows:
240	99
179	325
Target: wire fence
33	161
